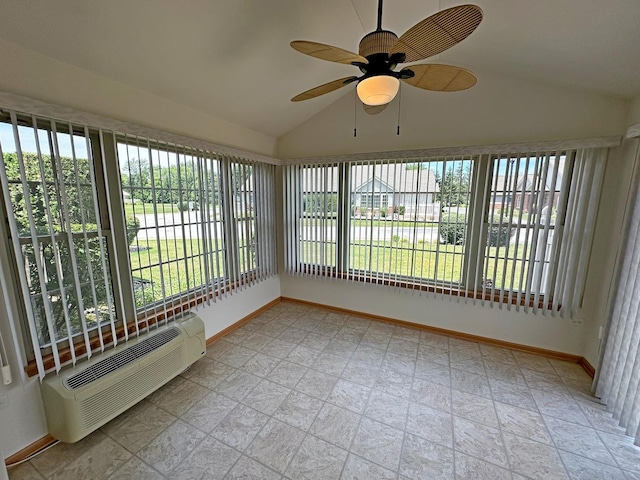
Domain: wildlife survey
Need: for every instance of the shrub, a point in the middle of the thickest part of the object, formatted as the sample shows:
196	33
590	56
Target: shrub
401	209
452	228
320	203
187	206
133	226
383	212
500	233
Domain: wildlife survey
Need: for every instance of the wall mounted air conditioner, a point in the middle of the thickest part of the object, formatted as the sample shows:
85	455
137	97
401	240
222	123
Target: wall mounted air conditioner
83	398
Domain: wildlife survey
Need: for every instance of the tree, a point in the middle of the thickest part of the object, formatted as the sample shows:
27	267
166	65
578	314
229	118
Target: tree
454	187
48	185
174	184
320	203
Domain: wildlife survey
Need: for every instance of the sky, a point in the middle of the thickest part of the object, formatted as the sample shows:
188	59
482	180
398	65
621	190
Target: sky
28	141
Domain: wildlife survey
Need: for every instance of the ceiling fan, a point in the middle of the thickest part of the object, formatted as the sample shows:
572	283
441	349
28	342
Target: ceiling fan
381	51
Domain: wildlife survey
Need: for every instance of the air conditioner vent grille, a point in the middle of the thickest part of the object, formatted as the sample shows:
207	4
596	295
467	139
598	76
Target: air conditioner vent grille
128	355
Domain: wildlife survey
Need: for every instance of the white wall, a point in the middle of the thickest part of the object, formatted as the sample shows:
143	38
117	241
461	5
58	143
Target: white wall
22	421
37	76
634	112
238	305
538	331
497	110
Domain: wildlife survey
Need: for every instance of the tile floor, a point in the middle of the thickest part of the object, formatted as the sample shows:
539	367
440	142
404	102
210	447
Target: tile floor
303	392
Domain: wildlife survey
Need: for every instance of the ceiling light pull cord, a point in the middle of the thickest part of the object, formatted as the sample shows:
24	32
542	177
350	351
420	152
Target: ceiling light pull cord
355	114
399	102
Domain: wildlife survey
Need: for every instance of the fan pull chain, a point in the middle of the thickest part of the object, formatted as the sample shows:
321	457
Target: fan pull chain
355	113
399	102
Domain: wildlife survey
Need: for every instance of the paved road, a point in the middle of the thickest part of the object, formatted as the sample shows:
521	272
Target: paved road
171	226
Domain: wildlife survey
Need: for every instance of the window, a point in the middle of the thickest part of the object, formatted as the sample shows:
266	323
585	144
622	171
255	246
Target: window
317	200
174	223
112	234
51	190
191	222
501	227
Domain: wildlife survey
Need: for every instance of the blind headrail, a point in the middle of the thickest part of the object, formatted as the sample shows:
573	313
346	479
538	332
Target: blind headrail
32	106
546	146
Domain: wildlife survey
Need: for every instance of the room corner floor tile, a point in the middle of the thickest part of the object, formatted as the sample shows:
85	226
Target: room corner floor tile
301	392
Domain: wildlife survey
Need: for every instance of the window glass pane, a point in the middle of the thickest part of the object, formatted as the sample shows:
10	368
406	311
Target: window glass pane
524	199
409	219
59	204
319	215
243	202
174	222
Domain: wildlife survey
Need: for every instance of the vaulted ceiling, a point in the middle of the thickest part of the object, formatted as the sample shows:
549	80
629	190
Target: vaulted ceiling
232	59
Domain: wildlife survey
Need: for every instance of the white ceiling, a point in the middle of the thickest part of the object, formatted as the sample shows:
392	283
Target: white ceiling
231	58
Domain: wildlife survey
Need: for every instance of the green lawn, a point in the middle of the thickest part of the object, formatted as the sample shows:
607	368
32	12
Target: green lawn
363	222
179	270
394	258
147	208
399	258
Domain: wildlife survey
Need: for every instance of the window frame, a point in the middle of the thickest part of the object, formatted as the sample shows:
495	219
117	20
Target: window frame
107	191
474	260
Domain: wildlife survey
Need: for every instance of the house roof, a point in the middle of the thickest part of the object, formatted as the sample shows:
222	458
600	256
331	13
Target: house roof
232	60
396	178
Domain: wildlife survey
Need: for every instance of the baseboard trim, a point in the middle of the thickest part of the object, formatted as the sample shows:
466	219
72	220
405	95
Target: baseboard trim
29	450
242	321
587	367
451	333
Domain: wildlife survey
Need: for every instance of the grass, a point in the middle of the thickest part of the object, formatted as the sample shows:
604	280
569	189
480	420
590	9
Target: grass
180	257
147	208
182	267
363	222
399	258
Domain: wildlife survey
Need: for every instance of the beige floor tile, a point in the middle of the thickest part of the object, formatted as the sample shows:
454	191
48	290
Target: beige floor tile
138	426
210	460
169	448
316	460
424	459
276	445
304	392
378	443
533	459
97	463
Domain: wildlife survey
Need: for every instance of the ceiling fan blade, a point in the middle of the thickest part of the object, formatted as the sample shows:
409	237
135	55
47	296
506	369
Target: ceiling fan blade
327	52
440	78
437	33
322	89
374	109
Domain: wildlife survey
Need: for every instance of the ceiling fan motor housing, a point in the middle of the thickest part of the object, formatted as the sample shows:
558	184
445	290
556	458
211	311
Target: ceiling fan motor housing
376	42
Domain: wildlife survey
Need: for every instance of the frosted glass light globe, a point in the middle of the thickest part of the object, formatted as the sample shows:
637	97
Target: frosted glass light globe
378	90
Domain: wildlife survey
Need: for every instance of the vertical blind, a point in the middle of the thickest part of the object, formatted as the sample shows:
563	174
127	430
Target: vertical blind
619	376
100	255
510	228
48	182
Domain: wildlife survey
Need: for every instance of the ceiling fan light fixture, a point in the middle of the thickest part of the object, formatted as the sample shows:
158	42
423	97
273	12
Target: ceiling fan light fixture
378	90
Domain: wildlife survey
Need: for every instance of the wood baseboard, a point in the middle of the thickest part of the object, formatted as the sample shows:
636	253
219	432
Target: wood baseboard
452	333
587	367
29	450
